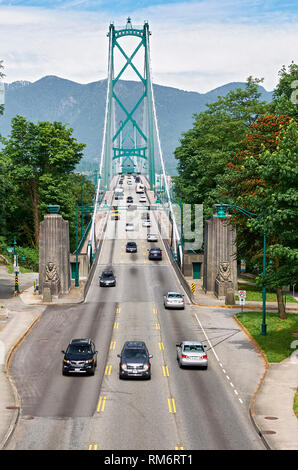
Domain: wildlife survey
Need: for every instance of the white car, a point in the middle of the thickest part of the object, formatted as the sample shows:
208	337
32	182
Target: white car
151	237
192	353
143	199
173	300
129	227
146	223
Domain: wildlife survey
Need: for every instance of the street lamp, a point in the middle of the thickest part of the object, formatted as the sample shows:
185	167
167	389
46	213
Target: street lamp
221	213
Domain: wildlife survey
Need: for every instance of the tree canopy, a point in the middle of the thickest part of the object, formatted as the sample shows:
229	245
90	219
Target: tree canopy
242	151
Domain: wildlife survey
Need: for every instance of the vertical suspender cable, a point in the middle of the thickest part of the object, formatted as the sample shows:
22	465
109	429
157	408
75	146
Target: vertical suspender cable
92	238
176	235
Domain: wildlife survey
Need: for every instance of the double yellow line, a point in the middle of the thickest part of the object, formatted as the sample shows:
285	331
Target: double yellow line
101	404
92	446
171	405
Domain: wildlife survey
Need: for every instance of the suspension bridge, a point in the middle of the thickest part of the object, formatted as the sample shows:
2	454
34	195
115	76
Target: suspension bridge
131	141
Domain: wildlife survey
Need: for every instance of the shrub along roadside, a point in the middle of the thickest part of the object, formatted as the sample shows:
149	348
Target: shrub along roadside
254	293
280	333
31	255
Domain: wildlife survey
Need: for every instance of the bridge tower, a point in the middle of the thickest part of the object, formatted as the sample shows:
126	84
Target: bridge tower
128	140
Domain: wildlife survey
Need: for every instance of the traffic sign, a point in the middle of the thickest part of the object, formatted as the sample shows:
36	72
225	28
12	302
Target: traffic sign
242	294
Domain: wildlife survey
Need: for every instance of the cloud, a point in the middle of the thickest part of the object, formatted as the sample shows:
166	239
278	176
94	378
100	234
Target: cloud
194	45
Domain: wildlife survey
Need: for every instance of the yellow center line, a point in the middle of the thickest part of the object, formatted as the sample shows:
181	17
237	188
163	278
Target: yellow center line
165	371
113	345
178	447
161	346
155	310
172	406
108	370
101	404
157	326
92	446
116	325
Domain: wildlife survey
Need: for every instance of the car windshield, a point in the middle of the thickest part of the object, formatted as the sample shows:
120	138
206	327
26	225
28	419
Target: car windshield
193	348
131	244
107	275
134	353
175	296
79	349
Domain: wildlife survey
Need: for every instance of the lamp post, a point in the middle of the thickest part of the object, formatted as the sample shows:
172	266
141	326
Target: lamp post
221	213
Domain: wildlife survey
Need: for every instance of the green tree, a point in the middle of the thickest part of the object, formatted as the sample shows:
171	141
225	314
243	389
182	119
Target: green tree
285	95
214	139
265	182
33	154
1	90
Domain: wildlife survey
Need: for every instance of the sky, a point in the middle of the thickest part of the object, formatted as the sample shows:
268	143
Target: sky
195	45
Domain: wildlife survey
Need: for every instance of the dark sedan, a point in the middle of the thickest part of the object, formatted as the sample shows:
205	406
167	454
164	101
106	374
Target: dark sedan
131	247
107	279
155	254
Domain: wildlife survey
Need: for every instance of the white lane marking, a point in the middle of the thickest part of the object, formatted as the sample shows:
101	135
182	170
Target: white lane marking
217	358
211	347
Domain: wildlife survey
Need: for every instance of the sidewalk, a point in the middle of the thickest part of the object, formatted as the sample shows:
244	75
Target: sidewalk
272	406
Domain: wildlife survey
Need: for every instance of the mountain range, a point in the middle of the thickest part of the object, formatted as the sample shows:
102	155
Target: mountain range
82	107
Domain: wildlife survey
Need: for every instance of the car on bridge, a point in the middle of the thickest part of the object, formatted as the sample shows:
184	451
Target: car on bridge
173	300
129	199
152	237
155	254
135	360
115	215
129	227
107	279
131	247
146	223
192	354
80	357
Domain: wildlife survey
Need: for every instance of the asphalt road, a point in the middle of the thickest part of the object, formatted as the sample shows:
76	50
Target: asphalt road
177	408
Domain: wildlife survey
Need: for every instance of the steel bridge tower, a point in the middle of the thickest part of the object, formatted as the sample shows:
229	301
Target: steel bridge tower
128	145
131	135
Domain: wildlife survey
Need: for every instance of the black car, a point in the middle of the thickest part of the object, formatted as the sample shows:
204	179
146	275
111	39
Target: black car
135	360
129	199
80	357
107	279
155	254
131	247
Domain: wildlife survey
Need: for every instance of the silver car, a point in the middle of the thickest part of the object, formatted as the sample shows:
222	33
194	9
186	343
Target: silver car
173	300
151	237
146	223
192	353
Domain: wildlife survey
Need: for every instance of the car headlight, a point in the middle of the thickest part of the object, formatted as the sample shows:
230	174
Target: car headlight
66	361
145	367
89	361
124	366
